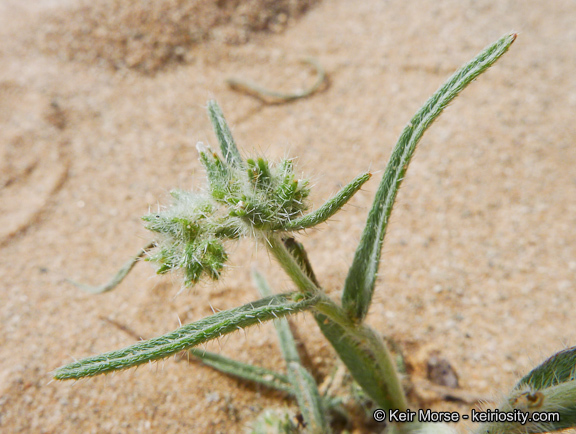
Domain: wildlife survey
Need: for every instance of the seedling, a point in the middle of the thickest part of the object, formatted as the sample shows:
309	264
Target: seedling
265	201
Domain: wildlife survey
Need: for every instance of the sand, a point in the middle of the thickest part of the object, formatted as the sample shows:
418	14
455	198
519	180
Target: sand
479	265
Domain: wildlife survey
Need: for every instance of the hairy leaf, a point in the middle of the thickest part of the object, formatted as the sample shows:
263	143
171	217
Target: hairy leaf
187	336
244	371
331	207
361	278
224	135
303	384
559	368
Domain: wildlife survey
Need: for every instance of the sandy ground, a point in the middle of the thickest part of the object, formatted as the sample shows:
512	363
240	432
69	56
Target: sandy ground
479	263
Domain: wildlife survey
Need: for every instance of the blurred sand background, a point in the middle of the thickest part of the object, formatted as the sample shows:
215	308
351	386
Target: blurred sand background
101	104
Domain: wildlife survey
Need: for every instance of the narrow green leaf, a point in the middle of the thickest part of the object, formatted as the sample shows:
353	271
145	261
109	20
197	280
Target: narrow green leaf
361	278
287	343
266	377
309	400
550	390
368	360
188	336
330	208
216	172
224	135
559	368
117	278
303	384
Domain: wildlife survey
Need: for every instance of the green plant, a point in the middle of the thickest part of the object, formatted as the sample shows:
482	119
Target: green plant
265	201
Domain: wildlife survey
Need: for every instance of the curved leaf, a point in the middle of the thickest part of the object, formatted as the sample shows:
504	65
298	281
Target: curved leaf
361	278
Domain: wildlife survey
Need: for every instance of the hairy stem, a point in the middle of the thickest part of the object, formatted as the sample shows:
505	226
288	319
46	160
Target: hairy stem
287	261
363	352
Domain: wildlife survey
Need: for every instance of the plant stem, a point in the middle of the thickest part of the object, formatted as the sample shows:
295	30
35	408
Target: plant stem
360	348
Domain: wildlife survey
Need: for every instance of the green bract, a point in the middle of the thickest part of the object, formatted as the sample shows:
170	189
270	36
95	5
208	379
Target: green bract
262	194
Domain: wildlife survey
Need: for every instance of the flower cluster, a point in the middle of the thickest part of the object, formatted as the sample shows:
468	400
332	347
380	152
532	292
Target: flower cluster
240	199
